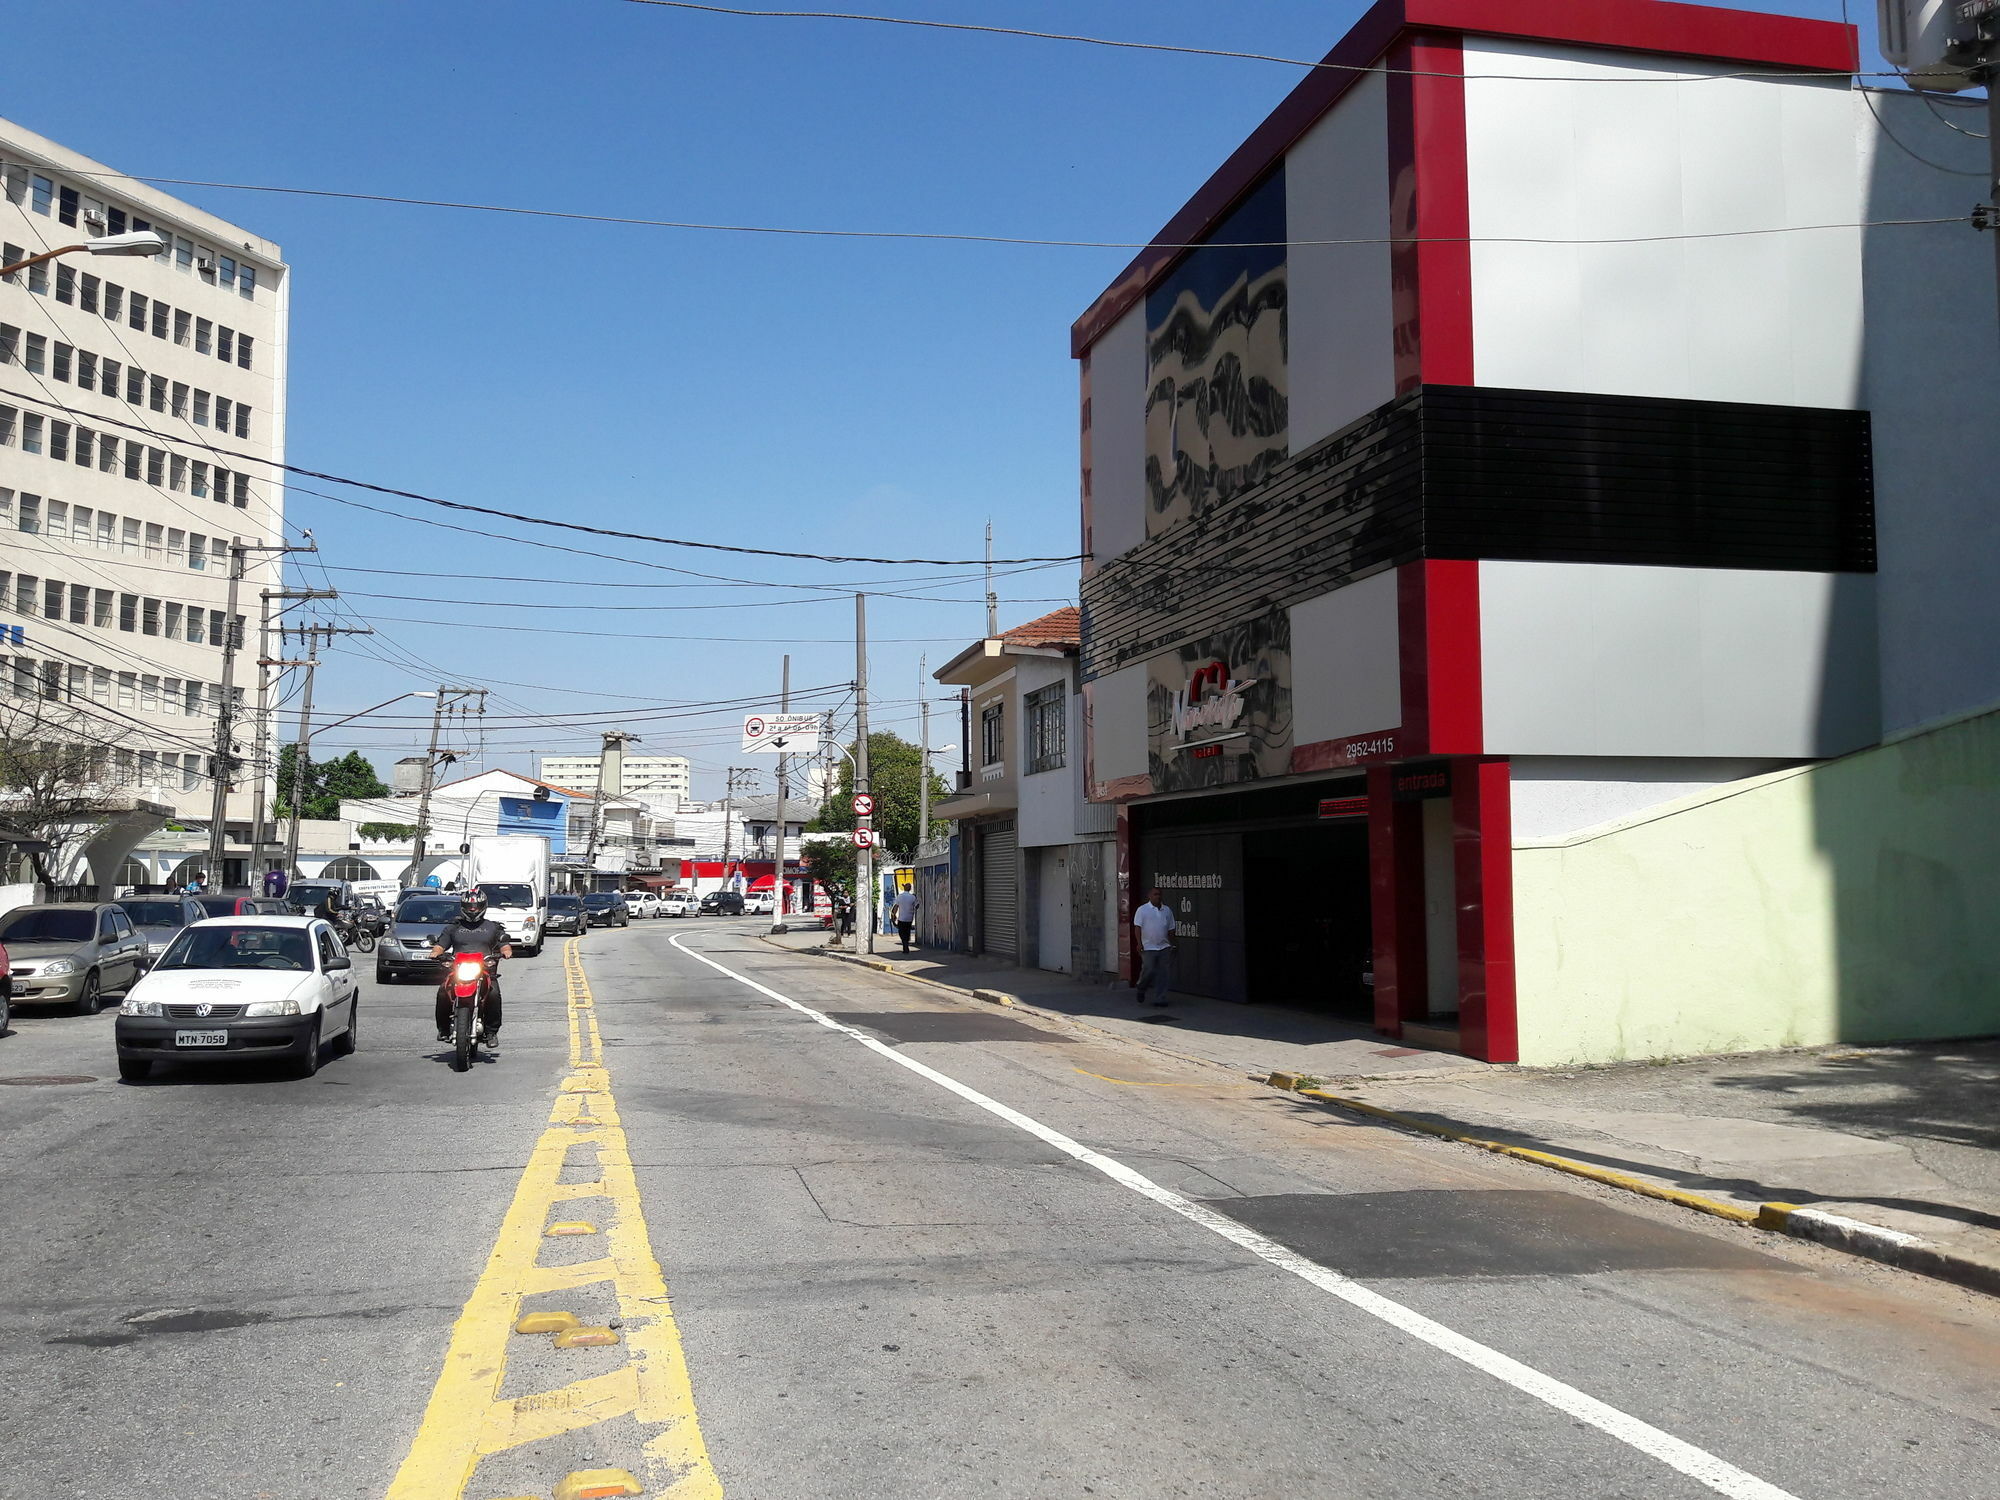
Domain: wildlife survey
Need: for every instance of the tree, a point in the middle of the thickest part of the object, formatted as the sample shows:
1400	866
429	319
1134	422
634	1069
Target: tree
53	775
894	768
327	782
831	866
394	833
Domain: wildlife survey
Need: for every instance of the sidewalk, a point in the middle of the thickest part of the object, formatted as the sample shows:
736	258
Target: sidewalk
1892	1152
1257	1039
1902	1139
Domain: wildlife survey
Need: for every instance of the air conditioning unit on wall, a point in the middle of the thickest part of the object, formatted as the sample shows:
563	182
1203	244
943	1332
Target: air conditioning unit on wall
94	217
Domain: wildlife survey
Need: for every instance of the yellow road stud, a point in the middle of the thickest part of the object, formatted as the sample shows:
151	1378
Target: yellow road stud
585	1338
569	1226
546	1322
593	1484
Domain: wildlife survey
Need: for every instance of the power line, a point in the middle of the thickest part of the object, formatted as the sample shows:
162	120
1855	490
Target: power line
527	520
976	239
1290	62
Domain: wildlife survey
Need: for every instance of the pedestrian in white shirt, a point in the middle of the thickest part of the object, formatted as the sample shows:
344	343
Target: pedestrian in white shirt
905	909
1155	921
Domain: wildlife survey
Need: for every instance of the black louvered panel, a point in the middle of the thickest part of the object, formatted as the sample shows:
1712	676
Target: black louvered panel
1505	475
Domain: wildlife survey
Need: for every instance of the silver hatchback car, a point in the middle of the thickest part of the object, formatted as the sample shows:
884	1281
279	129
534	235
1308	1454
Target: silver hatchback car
71	953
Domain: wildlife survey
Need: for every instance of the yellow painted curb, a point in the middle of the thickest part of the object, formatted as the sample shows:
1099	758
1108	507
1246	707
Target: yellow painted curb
546	1322
1734	1212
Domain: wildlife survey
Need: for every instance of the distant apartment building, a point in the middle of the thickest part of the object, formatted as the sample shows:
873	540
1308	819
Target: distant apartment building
644	775
142	408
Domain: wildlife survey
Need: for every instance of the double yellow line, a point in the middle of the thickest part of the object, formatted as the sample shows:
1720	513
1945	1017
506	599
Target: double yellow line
467	1420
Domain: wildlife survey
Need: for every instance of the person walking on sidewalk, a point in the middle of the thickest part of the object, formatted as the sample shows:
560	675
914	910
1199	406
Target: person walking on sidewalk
904	908
1155	921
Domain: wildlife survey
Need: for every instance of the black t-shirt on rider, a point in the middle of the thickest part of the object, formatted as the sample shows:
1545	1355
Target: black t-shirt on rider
461	936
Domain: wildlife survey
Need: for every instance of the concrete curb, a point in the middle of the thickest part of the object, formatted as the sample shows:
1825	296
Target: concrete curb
1890	1247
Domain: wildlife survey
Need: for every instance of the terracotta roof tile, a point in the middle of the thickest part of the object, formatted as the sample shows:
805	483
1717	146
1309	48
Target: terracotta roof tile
1059	627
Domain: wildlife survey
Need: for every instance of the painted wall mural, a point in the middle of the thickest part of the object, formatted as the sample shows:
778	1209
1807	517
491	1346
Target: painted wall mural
1216	414
1219	709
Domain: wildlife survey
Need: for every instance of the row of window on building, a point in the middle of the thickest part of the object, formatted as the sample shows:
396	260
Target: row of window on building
109	609
110	765
48	195
72	442
39	355
146	314
105	529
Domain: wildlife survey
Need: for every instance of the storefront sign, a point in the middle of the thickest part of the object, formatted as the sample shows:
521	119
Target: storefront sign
1422	781
1219	710
1343	807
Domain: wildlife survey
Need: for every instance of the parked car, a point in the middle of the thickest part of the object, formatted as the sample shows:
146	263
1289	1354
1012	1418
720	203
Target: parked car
160	919
643	903
679	904
607	909
722	904
405	949
6	993
260	906
305	896
71	953
565	915
242	989
759	904
229	905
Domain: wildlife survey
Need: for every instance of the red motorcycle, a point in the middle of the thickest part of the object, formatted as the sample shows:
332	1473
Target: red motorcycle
471	977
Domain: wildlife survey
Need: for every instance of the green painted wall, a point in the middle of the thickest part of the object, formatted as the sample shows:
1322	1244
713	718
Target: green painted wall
1854	900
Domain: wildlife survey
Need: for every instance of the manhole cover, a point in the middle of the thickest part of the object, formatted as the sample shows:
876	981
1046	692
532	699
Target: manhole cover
27	1079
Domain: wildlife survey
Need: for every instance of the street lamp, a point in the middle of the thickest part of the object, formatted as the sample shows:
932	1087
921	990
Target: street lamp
138	242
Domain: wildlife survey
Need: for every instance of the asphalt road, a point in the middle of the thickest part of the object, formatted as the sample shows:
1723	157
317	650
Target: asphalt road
925	1250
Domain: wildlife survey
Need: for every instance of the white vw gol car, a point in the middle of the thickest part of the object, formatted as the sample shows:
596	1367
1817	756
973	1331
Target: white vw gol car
241	989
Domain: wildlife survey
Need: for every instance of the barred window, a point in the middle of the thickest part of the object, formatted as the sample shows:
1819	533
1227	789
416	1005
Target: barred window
993	734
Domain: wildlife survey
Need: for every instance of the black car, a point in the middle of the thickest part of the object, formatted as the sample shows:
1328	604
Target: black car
565	914
722	904
607	909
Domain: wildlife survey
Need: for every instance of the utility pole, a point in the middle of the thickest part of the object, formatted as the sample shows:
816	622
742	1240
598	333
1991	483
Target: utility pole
266	739
302	747
924	760
778	868
735	776
446	697
612	748
992	599
864	855
225	709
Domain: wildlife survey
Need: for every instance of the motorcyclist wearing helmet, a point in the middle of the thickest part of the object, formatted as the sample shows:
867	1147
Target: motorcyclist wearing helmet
472	931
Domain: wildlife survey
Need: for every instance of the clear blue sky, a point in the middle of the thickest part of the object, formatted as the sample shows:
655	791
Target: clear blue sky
858	397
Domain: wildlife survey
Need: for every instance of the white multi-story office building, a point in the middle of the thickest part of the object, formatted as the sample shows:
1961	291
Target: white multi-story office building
142	410
649	776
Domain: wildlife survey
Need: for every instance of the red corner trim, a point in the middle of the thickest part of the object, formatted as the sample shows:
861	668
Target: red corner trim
1437	608
1430	213
1483	876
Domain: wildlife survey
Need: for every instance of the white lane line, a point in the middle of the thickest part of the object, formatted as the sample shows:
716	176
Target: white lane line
1697	1463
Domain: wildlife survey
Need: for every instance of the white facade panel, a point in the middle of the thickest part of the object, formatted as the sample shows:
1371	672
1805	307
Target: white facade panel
1553	797
1588	659
1118	437
1770	318
1346	662
1339	312
1118	724
1932	373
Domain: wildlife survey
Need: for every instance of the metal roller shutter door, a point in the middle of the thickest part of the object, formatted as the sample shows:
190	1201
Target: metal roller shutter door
999	890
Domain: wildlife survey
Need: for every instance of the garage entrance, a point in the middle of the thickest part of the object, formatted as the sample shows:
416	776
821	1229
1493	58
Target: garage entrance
1307	940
